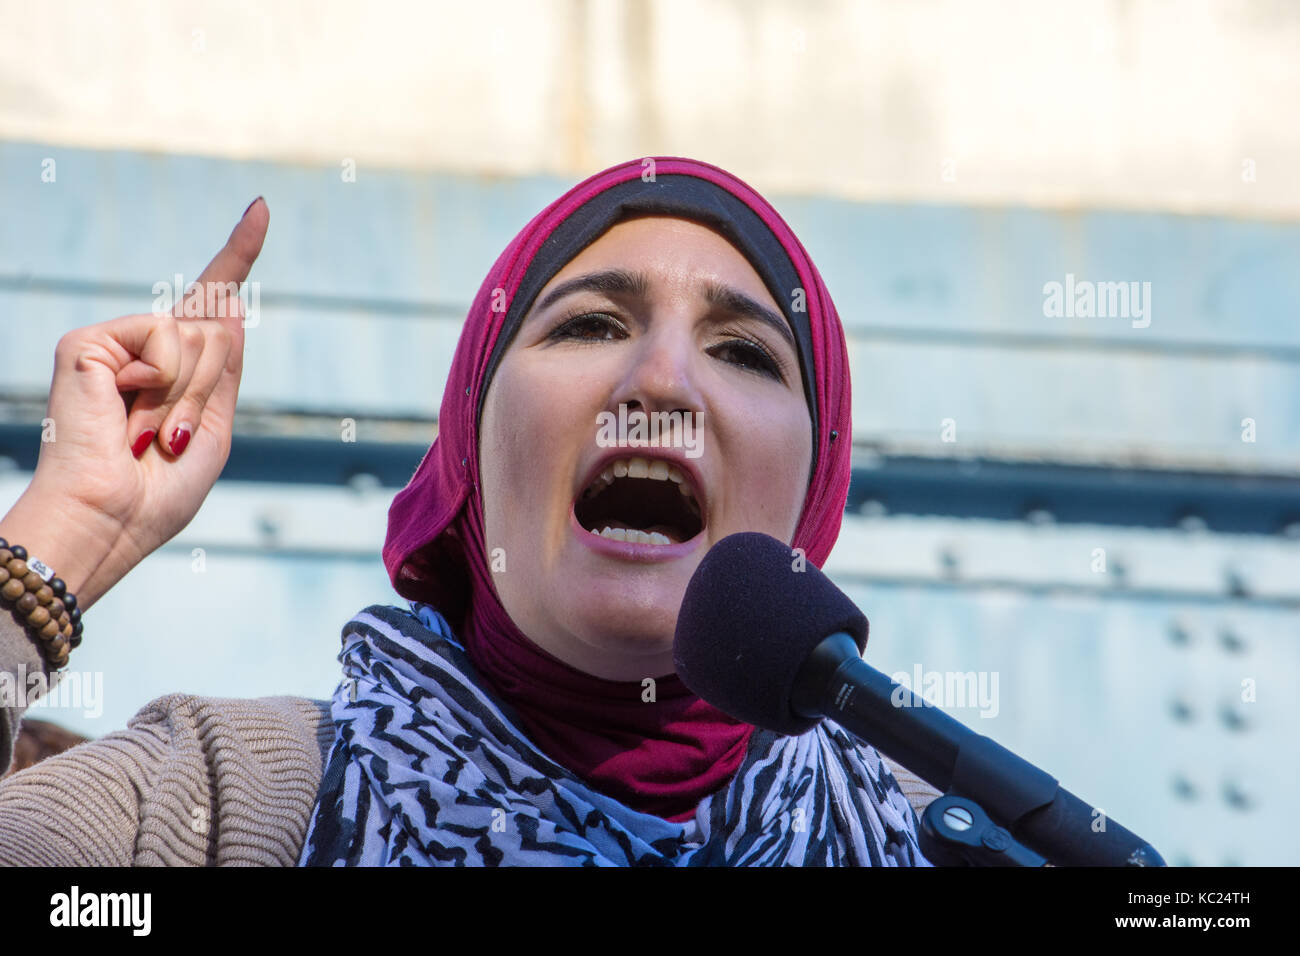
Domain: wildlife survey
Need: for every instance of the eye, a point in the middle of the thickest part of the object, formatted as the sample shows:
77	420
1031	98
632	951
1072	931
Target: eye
749	354
589	327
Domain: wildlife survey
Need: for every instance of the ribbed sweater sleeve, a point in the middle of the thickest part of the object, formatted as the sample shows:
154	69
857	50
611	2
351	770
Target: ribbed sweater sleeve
190	781
19	659
919	793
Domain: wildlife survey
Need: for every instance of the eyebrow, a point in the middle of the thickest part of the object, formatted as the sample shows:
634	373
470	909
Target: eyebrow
635	284
610	282
731	300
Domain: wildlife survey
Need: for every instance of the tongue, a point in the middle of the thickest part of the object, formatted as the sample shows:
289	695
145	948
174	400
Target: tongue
672	534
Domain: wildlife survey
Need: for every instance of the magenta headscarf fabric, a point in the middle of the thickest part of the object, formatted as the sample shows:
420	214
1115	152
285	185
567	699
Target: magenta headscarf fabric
662	757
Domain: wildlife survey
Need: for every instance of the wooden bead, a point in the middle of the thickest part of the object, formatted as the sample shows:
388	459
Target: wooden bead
49	631
33	581
12	590
39	617
4	573
59	662
59	645
26	604
56	608
6	555
74	641
17	567
44	595
66	631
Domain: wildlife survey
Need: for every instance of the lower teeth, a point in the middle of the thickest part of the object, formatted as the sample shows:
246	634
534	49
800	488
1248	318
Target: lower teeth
633	536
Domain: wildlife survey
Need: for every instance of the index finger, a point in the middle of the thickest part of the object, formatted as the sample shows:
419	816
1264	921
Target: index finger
220	281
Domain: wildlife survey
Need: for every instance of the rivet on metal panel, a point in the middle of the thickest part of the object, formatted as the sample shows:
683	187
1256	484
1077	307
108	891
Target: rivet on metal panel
1117	572
1182	709
1183	787
1232	640
1180	634
1234	582
873	508
1039	516
363	482
1238	794
268	527
1234	714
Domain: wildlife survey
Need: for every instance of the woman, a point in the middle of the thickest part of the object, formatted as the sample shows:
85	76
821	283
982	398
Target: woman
524	710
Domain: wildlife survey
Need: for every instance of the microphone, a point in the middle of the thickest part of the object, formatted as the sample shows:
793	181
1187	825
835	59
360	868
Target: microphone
768	639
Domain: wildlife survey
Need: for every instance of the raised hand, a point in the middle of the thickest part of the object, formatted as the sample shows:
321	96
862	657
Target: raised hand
143	409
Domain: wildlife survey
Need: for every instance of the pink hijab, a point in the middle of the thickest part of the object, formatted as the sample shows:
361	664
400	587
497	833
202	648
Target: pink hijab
662	757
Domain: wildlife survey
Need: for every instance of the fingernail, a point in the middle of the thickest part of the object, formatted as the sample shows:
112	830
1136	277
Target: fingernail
250	206
142	442
180	438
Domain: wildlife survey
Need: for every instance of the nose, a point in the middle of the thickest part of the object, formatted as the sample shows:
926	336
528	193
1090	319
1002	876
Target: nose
662	372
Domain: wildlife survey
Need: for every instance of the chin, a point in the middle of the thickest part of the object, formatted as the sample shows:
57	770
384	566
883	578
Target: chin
629	629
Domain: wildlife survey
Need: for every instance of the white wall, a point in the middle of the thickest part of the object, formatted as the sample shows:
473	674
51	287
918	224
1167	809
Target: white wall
1149	103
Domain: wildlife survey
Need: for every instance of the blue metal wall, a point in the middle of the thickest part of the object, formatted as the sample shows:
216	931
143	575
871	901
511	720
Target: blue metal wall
974	555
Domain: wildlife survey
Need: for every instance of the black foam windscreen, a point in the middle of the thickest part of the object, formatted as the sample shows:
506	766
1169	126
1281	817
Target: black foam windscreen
753	612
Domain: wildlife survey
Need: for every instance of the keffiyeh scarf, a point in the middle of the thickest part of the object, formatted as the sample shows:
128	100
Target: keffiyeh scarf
428	769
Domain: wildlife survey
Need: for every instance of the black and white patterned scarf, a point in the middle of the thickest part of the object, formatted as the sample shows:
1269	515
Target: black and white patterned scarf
428	769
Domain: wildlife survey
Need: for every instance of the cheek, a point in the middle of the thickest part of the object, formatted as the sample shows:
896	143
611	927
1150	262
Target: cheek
528	450
775	448
509	439
511	434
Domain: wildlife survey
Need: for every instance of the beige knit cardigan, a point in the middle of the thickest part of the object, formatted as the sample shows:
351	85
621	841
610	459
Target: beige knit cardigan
191	781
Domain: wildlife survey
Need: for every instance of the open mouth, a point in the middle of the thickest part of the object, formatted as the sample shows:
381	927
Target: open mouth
642	501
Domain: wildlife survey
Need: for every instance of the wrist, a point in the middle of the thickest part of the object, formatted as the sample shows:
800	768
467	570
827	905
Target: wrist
74	542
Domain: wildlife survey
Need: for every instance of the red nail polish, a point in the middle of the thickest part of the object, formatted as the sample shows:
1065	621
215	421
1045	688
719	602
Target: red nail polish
142	442
180	438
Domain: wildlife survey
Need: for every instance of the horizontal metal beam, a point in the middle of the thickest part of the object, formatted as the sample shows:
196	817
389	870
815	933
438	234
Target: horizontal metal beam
882	484
1232	503
427	310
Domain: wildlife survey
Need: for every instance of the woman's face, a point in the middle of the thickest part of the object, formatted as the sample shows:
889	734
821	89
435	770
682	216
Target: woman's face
666	318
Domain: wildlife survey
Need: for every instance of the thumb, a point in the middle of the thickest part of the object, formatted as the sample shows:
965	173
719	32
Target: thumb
130	353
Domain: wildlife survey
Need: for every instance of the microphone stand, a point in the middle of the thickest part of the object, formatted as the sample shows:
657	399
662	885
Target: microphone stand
955	831
834	681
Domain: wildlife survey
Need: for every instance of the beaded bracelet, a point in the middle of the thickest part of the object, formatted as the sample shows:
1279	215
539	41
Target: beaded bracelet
40	602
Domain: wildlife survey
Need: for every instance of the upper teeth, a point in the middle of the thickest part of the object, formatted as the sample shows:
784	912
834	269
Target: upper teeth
657	469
